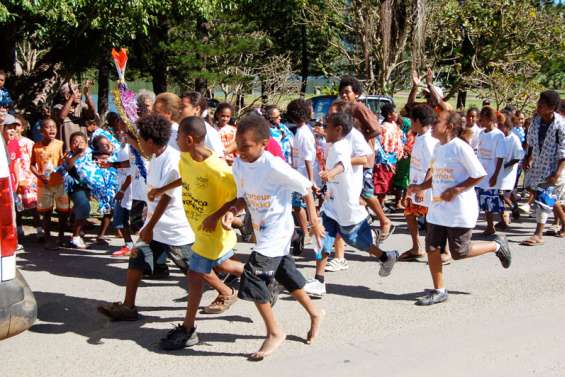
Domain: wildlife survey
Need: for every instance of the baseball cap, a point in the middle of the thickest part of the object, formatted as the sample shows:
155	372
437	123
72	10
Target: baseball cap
9	119
437	88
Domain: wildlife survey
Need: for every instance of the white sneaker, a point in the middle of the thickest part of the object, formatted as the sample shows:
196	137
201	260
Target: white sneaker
314	288
78	243
337	264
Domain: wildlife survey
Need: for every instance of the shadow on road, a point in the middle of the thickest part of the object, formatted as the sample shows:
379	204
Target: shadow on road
63	314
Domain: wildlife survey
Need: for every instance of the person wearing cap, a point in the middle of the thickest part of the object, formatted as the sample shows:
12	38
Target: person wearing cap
432	93
72	113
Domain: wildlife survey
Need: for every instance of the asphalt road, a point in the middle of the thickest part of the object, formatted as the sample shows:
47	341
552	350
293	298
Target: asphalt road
496	322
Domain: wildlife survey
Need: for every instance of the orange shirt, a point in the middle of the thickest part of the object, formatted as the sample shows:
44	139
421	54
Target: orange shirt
46	158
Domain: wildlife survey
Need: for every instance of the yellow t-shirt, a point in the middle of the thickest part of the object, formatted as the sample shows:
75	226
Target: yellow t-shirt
206	187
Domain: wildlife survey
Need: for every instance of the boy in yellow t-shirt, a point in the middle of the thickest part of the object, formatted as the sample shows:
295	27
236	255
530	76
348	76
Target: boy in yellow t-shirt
208	190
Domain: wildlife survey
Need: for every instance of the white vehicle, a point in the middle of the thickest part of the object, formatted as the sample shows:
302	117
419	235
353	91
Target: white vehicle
18	309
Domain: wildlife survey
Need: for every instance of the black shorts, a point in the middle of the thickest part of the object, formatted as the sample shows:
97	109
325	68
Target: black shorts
145	258
260	270
136	219
459	240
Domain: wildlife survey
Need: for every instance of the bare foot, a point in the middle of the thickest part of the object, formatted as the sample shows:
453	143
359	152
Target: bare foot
268	347
315	326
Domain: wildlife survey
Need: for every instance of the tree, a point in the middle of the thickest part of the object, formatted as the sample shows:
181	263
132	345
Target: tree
500	48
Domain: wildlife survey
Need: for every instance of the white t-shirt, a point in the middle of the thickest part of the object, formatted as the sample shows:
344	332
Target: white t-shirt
359	148
138	185
174	133
342	198
123	173
491	148
267	185
213	140
172	228
420	164
452	164
476	134
304	149
514	151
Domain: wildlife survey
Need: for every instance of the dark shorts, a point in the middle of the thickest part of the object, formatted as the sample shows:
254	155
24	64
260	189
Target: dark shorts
81	204
145	258
121	217
382	178
136	219
437	237
358	236
259	272
368	191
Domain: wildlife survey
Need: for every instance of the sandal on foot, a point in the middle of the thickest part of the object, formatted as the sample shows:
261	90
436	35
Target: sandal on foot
407	256
531	242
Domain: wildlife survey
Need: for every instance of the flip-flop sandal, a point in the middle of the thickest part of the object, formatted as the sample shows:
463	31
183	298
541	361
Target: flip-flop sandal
531	242
409	257
386	235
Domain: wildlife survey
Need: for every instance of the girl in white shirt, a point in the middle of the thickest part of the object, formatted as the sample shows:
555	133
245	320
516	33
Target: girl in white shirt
453	212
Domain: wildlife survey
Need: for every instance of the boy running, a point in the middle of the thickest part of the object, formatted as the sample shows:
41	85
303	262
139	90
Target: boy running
208	188
166	229
417	205
266	183
453	212
341	212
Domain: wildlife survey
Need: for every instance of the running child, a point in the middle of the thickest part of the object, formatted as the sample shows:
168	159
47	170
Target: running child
303	155
266	183
417	204
226	131
509	174
46	157
341	212
208	190
453	211
166	229
491	154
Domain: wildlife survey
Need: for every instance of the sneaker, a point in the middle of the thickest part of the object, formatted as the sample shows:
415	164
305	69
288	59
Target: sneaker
123	252
386	267
274	292
119	312
337	264
315	288
221	303
77	243
433	296
504	252
179	338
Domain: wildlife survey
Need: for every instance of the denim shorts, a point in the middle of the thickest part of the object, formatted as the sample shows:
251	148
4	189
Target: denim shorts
298	201
358	236
121	217
203	265
81	204
144	258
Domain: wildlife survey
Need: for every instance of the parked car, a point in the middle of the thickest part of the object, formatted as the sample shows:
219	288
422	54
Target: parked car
321	104
18	308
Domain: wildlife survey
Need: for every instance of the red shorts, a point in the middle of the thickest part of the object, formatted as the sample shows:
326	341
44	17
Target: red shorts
415	210
382	178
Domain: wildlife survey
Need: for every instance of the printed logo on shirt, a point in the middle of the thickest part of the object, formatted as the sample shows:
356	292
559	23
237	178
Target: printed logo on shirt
485	153
443	175
194	207
258	202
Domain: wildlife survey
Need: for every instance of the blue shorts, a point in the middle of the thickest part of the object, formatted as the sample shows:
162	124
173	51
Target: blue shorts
298	201
121	217
359	235
490	200
203	265
81	204
368	191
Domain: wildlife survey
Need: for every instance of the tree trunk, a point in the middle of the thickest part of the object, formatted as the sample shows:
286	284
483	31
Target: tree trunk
103	84
305	60
461	99
158	58
8	50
